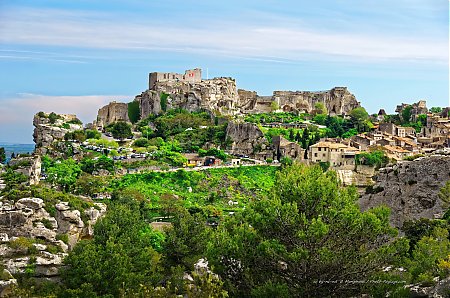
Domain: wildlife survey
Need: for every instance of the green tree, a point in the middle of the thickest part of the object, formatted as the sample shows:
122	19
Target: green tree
93	134
436	110
164	99
121	130
321	108
274	106
444	194
2	155
64	173
303	239
375	158
428	253
359	117
134	113
87	184
187	240
406	114
119	257
141	142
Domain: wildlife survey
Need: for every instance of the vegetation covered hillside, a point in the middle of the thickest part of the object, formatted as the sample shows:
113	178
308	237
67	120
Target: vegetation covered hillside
295	232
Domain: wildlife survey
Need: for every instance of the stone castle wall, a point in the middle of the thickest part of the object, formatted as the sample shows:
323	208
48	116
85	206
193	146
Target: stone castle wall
189	76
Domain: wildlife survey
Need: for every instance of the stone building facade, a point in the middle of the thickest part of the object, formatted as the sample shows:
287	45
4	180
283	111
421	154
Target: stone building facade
337	154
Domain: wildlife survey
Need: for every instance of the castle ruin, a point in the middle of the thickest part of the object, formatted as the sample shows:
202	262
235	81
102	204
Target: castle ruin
189	76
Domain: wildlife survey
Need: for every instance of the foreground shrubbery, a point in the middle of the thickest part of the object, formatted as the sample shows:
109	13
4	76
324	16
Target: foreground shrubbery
303	236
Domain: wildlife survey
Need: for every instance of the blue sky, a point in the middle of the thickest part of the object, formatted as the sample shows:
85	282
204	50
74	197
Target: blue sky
74	56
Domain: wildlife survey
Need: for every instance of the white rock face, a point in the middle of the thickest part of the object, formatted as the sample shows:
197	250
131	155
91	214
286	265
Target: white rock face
28	218
46	134
7	284
29	166
33	203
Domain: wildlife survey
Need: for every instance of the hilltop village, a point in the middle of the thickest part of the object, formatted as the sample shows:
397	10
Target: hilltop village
158	176
414	130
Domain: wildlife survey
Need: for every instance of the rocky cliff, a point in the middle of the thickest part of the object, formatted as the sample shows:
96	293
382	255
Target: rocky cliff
218	95
30	166
49	131
410	189
112	112
248	139
35	242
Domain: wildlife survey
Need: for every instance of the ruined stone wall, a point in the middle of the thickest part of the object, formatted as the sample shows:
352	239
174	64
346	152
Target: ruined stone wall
189	76
338	101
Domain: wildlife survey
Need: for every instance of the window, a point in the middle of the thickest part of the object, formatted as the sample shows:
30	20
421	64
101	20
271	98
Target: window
315	154
320	149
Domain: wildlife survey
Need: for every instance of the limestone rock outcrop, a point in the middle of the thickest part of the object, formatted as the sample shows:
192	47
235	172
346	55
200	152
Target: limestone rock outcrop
410	189
218	95
338	101
30	166
24	221
360	177
48	132
112	112
248	139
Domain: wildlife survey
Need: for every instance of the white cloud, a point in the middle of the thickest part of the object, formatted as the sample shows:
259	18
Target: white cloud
16	114
294	41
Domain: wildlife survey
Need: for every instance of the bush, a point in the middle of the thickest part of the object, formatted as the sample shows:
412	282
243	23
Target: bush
53	117
63	237
47	224
21	243
93	134
75	121
141	142
413	157
376	158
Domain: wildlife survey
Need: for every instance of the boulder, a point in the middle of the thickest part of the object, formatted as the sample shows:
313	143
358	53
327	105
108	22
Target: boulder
32	203
7	283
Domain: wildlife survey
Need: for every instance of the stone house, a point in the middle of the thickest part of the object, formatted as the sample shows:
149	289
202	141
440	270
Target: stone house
286	148
388	127
362	141
396	152
386	142
337	154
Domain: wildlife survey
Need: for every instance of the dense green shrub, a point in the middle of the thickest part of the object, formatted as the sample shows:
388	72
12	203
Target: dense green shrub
134	113
374	158
141	142
93	134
